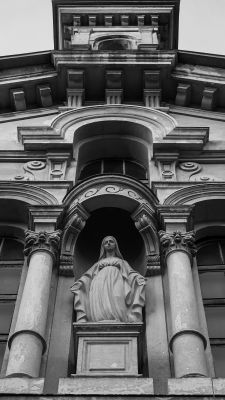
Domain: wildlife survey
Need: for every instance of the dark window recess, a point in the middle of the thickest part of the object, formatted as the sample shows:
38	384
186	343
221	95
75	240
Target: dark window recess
114	45
211	266
11	261
114	166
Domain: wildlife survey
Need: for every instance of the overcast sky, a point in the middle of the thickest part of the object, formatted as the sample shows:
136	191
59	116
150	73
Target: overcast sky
26	26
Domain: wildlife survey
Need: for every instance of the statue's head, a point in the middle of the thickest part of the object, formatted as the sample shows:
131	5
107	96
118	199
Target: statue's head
109	243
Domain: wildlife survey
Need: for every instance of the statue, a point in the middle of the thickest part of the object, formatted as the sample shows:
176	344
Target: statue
110	290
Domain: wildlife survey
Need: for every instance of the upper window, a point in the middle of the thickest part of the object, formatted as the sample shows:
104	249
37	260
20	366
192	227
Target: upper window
113	166
115	44
11	261
211	265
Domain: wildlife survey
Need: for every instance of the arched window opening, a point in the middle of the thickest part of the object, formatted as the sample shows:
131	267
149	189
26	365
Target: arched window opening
115	44
211	266
11	262
114	166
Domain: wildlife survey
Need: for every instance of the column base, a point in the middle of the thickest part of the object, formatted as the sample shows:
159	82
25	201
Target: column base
107	348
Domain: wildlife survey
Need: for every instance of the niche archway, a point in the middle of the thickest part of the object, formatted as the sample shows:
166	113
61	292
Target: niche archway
104	222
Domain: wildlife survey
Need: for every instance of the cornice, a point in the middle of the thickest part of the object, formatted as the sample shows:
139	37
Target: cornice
199	73
154	58
196	112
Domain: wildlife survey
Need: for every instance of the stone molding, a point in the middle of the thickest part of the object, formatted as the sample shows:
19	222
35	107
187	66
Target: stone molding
113	185
35	241
177	241
191	194
28	193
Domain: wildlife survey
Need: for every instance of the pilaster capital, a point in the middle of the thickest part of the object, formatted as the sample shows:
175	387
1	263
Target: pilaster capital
177	241
48	241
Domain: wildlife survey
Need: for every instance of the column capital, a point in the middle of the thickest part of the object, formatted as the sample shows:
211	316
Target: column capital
48	241
177	241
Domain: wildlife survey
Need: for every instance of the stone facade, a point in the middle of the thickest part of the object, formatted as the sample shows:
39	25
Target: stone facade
115	132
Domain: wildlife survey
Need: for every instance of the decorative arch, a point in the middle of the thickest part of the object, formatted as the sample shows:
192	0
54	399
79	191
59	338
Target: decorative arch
120	192
158	124
29	194
197	193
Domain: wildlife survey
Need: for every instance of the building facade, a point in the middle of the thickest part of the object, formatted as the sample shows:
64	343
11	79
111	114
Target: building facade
113	133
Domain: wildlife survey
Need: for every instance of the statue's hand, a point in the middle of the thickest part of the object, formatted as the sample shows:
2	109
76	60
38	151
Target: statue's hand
140	280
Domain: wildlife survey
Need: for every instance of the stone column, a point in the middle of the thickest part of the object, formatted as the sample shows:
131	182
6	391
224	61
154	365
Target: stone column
27	344
187	343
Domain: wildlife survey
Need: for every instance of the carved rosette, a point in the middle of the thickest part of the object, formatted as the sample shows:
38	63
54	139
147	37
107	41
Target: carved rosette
48	241
177	241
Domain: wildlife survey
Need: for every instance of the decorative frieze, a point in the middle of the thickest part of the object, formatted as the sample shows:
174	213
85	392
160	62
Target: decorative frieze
35	241
177	241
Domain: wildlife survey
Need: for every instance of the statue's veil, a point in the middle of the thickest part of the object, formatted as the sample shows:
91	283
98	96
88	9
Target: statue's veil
102	250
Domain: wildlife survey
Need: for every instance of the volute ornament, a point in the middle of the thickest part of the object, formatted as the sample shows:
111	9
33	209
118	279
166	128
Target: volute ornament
110	290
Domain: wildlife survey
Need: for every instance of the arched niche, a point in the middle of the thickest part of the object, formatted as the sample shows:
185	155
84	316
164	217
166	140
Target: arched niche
114	199
109	221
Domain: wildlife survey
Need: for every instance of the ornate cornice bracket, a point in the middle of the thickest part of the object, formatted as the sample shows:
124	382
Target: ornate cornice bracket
49	241
177	241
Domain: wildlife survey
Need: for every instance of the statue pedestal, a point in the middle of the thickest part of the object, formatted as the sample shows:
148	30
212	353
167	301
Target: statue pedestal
107	348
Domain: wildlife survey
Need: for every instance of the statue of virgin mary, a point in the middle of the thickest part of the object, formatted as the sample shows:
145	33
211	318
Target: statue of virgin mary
110	290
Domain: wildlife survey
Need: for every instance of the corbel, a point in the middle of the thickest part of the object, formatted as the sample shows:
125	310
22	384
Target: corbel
74	223
146	224
57	165
114	90
18	99
155	19
108	20
166	163
124	20
152	91
76	20
44	95
92	20
75	90
209	98
141	20
183	96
